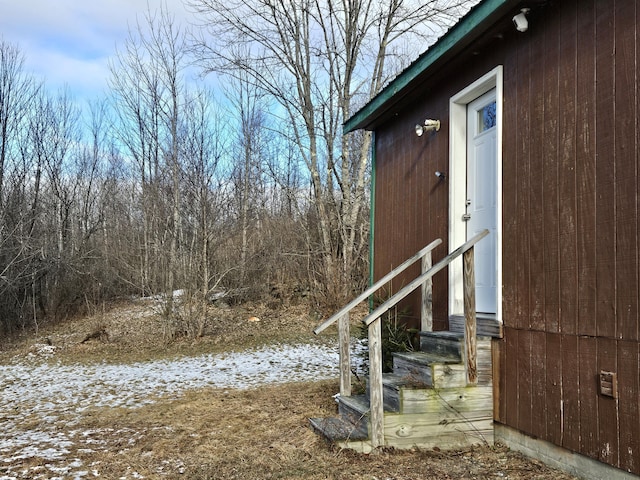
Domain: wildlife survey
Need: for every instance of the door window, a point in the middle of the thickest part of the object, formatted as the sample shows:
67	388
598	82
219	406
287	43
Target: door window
487	117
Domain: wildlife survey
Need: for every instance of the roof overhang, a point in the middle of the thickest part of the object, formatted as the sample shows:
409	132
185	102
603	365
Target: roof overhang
459	37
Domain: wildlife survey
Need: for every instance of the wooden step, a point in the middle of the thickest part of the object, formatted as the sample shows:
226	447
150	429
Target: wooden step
337	429
444	344
446	429
427	418
355	409
457	399
391	384
487	325
451	344
351	428
426	400
428	370
403	396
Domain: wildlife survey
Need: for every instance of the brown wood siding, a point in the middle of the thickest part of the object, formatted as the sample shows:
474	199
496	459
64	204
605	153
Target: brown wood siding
605	171
511	177
608	447
520	197
570	385
552	364
510	392
576	230
415	204
626	127
629	413
585	168
567	175
549	389
523	359
552	113
571	283
538	370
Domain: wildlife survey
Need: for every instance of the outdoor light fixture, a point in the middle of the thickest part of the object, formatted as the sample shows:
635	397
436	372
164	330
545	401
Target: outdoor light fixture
520	20
428	126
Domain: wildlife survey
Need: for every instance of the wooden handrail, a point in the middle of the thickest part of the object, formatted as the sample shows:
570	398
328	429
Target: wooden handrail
415	283
342	317
379	284
376	430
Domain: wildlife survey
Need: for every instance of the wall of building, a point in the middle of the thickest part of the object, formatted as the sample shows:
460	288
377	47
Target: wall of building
570	219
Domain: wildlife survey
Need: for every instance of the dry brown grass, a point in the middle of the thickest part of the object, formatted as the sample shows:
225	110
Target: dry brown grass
264	434
261	433
135	332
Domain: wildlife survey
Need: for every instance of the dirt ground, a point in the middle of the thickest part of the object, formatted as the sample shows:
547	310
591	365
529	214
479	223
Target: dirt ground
258	433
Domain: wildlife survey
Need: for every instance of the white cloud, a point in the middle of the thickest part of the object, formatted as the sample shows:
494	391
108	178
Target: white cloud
70	41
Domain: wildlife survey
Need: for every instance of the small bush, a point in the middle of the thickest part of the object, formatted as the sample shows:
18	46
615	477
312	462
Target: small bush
396	337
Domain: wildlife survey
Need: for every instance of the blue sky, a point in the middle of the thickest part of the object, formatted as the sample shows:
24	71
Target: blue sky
70	41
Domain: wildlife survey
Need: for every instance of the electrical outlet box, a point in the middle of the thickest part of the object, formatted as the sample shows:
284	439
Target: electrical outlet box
608	384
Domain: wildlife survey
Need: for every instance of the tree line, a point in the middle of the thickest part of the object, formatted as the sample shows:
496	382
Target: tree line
170	184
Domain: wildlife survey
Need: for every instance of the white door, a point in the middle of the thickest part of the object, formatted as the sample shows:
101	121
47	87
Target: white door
481	209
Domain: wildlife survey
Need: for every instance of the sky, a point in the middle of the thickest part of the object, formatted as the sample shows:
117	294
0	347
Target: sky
69	42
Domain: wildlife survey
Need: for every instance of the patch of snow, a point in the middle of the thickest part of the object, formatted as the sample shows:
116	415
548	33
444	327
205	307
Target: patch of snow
41	350
50	396
163	296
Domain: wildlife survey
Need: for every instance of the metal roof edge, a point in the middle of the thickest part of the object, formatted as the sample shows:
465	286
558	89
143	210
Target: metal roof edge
460	31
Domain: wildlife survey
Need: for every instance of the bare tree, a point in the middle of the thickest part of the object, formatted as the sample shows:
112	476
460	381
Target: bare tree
147	78
136	89
61	134
321	60
248	110
90	165
16	91
203	146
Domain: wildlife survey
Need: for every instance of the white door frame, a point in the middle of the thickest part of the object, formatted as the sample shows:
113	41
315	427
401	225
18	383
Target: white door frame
458	182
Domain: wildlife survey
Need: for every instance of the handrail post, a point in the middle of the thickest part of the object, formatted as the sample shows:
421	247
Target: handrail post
470	339
427	297
345	356
376	418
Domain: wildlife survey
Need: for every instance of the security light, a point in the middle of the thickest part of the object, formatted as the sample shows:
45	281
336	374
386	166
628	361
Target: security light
427	127
520	20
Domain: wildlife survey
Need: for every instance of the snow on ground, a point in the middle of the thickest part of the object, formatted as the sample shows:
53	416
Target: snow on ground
38	401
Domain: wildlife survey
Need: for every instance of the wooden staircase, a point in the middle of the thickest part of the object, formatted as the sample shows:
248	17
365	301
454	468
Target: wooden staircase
439	396
427	402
